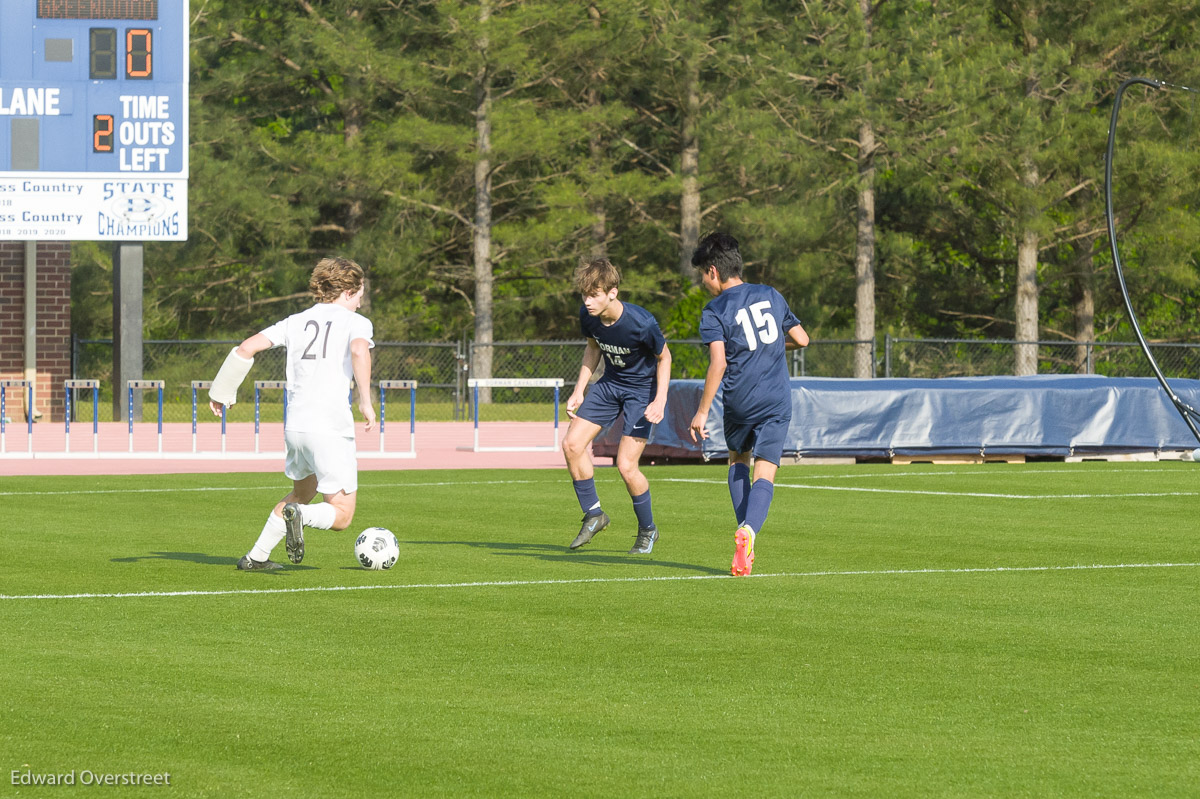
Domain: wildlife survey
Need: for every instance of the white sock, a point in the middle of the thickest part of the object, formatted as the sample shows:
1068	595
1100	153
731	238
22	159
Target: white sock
321	515
272	533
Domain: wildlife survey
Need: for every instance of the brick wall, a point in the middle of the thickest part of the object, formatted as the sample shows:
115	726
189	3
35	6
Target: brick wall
53	325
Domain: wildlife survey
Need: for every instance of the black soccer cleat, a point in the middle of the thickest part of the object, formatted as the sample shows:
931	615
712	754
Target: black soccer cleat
295	532
592	524
644	543
249	564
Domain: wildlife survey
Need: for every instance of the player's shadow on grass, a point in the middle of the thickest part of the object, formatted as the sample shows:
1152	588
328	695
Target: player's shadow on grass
202	558
561	554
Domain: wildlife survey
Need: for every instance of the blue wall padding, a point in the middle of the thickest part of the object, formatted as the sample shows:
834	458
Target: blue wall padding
1052	415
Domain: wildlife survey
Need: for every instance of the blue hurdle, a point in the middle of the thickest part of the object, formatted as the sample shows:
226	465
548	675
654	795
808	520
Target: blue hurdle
411	387
500	382
259	385
144	385
69	387
197	387
28	386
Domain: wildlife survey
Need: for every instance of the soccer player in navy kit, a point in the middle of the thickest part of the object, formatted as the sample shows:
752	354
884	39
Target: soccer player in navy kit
747	328
637	370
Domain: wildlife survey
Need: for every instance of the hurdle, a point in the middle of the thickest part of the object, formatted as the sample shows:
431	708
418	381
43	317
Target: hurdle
499	382
411	386
4	386
143	385
68	387
197	387
259	386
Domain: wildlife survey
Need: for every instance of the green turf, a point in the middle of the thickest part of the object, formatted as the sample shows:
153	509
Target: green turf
860	660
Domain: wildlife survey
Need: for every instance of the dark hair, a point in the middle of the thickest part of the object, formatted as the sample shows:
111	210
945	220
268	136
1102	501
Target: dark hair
596	274
719	250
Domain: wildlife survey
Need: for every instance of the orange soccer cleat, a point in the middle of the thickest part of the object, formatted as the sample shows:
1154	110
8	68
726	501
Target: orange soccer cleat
743	555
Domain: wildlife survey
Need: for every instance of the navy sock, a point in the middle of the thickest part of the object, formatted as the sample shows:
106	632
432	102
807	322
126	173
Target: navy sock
739	489
641	507
585	490
759	503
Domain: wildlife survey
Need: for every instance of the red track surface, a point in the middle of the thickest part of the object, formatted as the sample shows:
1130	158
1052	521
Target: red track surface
437	447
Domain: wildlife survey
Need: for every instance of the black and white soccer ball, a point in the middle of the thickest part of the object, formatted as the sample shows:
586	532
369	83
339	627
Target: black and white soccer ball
376	548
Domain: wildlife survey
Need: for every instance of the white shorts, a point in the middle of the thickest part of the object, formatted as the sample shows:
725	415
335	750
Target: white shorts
331	457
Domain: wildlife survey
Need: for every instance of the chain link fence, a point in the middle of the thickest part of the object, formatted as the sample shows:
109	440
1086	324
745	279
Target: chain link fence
916	357
831	358
821	358
528	359
442	369
523	360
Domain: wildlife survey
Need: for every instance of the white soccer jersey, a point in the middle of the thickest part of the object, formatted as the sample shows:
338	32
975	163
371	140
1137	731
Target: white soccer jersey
318	366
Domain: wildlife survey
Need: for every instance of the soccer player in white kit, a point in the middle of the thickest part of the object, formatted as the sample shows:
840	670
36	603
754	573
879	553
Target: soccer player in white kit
326	346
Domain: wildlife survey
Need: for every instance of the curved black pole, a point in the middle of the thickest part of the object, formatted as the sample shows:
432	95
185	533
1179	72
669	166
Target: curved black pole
1185	410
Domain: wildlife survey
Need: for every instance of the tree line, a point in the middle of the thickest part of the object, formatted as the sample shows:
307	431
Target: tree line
918	167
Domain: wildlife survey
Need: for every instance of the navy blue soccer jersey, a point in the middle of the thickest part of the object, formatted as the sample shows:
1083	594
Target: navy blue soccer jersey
631	345
753	321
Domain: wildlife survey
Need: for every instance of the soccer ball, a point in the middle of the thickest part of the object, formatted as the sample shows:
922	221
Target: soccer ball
376	548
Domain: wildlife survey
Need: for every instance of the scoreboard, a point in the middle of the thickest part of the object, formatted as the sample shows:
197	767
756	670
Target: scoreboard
93	120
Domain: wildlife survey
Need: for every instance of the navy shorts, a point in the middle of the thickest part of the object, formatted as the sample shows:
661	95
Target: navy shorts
606	401
766	437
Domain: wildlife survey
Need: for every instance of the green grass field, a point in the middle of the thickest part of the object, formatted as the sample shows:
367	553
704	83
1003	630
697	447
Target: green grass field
917	631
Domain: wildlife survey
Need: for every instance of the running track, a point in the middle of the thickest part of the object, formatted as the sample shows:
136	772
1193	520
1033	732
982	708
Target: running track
437	447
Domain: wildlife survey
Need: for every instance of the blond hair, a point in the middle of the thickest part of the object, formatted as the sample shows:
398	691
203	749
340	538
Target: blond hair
332	276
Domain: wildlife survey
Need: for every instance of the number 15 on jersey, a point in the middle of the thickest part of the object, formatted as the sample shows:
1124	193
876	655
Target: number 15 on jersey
763	328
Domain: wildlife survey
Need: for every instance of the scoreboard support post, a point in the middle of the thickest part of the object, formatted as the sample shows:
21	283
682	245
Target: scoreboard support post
31	326
128	274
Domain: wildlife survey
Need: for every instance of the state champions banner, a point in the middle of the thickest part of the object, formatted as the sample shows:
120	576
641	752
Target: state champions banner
137	208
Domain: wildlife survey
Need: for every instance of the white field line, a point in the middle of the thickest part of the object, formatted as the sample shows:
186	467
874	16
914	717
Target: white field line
978	471
594	580
274	487
985	495
453	483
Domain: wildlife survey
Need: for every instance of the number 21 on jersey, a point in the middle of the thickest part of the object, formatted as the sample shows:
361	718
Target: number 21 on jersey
764	328
309	355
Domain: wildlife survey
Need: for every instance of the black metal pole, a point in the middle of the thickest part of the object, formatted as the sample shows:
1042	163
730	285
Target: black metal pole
1185	410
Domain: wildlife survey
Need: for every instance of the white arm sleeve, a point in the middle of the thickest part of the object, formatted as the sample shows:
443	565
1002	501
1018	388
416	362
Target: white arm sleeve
232	373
